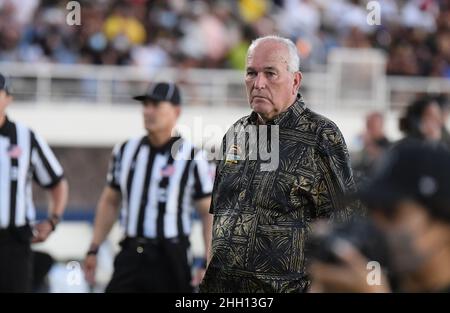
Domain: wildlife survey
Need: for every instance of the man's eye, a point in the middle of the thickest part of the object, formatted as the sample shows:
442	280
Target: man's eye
251	74
270	74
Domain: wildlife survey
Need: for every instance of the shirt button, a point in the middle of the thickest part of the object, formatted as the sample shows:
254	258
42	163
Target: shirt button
140	250
242	195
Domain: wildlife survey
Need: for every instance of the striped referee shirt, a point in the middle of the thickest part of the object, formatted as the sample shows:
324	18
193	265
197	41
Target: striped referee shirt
24	156
159	186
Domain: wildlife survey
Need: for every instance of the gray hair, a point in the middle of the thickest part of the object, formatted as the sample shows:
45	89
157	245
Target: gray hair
294	59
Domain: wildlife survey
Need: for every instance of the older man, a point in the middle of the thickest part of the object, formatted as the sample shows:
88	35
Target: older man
262	210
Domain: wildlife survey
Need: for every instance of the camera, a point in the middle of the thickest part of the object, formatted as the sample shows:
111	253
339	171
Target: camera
360	233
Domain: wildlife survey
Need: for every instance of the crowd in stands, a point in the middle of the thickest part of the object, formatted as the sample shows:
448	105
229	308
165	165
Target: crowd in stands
414	34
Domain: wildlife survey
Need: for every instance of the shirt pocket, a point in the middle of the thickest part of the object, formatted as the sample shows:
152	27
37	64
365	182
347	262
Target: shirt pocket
228	185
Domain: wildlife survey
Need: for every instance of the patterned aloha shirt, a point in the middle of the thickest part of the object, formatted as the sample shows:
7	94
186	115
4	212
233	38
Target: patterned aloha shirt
262	217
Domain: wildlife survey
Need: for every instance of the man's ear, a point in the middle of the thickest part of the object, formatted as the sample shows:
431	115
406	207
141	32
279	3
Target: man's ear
178	111
298	76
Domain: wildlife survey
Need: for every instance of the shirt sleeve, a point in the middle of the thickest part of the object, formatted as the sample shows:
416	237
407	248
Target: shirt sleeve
115	167
335	176
46	169
203	176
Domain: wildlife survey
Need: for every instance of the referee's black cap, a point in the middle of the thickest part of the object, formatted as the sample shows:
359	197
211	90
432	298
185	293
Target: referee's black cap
413	170
162	91
4	84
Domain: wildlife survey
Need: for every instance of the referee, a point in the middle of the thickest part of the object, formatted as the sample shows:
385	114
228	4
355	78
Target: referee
156	180
24	156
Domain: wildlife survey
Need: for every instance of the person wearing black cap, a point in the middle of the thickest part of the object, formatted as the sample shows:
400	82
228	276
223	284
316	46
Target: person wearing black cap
24	155
409	199
157	179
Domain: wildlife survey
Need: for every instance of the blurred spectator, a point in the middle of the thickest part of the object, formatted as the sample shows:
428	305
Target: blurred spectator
299	18
252	10
339	253
21	11
389	11
375	144
409	202
238	54
402	60
9	31
201	33
124	29
151	56
409	199
423	120
355	38
420	14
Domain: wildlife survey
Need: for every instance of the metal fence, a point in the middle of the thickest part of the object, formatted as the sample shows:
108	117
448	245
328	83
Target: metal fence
353	79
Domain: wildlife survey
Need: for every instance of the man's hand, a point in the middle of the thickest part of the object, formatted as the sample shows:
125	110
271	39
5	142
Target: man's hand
198	277
41	231
349	276
90	265
106	215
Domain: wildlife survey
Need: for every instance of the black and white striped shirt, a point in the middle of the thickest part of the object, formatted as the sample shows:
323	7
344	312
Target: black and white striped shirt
159	189
24	156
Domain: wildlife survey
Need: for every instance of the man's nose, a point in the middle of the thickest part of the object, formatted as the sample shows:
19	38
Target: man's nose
260	81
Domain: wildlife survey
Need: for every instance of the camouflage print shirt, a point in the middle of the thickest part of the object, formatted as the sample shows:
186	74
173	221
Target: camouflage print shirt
262	217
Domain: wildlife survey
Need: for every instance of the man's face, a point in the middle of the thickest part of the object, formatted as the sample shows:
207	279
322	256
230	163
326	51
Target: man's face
159	116
414	238
431	122
5	99
271	88
374	125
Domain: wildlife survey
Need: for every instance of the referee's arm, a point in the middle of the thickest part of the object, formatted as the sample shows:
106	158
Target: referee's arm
106	216
58	200
203	185
202	206
48	173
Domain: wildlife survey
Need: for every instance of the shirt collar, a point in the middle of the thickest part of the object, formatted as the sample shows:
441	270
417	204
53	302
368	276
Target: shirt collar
296	108
164	148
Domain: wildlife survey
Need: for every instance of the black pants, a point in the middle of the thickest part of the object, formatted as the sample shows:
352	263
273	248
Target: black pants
16	261
148	266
